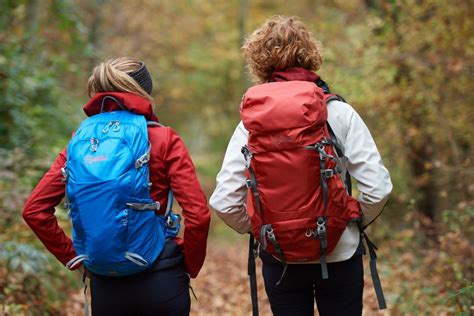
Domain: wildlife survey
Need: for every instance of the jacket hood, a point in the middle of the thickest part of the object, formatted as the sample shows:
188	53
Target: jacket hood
132	102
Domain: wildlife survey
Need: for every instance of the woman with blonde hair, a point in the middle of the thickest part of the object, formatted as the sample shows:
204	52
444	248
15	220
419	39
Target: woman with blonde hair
124	233
282	176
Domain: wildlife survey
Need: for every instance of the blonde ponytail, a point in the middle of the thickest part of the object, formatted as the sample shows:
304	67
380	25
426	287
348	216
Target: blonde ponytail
113	76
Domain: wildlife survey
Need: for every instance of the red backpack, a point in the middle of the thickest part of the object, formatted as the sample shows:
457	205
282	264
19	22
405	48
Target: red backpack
297	200
298	203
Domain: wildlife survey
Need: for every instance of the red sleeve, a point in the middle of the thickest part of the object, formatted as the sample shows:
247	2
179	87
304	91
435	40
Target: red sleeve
191	198
39	212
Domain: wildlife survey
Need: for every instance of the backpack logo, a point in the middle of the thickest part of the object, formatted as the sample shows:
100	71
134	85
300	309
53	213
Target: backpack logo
280	139
89	159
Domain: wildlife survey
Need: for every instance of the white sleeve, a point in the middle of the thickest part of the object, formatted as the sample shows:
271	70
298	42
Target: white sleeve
365	165
230	194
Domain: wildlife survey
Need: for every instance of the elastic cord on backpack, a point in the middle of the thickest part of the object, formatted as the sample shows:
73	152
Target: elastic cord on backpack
135	258
75	261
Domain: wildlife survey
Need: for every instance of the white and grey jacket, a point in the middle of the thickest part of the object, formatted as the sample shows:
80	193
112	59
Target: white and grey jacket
361	158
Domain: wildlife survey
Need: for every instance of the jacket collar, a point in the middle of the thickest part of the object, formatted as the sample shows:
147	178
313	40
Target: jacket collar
290	74
132	102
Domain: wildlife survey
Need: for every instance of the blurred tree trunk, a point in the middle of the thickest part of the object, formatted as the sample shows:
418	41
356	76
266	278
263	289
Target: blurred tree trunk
31	23
95	8
6	18
412	113
243	9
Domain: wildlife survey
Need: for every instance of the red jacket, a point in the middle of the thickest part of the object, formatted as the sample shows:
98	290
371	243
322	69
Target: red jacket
170	168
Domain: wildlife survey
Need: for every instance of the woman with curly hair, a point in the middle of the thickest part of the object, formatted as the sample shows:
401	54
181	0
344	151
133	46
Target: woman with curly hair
282	176
130	210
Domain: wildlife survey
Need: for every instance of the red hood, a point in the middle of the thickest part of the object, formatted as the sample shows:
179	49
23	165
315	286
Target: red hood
134	103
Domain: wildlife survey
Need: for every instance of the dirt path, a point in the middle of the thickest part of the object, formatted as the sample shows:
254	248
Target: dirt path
222	287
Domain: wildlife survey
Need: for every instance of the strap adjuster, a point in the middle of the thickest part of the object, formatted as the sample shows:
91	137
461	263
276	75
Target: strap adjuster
248	183
247	155
140	162
155	206
328	173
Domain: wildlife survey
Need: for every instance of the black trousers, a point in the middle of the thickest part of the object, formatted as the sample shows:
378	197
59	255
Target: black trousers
161	290
340	294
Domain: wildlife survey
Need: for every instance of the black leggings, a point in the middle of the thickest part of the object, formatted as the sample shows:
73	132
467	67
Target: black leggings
161	292
340	294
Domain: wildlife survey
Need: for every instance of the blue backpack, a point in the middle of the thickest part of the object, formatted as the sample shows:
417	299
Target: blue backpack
115	231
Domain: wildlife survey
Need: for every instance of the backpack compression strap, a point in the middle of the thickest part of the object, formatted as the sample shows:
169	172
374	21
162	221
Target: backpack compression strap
173	220
252	273
252	182
340	153
325	174
374	273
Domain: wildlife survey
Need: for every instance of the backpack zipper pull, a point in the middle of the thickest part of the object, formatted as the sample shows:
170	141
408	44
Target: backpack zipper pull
116	126
94	143
107	127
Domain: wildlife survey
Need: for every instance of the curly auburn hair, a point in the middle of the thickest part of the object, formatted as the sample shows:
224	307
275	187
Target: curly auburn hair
280	43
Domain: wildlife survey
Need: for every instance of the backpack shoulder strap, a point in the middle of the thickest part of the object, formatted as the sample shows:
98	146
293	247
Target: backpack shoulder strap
154	124
335	97
337	144
251	271
339	148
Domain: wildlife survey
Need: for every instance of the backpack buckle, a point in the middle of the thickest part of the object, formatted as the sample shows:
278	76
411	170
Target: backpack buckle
271	235
142	160
328	173
247	155
173	221
326	141
248	183
321	227
64	174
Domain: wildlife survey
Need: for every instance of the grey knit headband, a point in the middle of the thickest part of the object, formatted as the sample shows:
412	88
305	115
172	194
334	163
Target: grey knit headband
143	78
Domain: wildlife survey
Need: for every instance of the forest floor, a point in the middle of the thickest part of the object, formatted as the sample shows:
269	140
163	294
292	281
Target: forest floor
222	287
419	277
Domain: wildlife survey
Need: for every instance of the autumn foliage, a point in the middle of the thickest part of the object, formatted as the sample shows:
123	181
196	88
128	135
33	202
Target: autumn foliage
405	65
